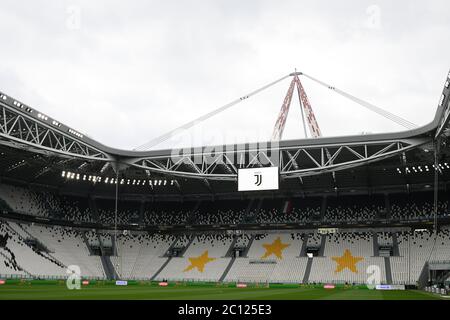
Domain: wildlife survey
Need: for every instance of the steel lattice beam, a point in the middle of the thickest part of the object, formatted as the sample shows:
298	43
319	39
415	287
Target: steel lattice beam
445	104
294	162
20	130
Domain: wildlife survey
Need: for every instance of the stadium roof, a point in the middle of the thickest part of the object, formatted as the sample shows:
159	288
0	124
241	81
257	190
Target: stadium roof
38	150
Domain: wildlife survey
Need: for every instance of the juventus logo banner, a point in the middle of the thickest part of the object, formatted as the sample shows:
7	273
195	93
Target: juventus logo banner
255	179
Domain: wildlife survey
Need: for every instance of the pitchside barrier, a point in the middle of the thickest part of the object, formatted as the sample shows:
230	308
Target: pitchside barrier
44	277
247	283
172	284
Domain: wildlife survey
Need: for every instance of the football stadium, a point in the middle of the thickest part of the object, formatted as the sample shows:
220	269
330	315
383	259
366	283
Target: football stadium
364	217
337	217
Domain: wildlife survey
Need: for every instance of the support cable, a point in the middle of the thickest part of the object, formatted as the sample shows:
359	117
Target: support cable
303	118
435	195
190	124
388	115
116	252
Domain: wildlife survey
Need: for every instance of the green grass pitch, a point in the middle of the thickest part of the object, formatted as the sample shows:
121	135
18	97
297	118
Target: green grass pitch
138	291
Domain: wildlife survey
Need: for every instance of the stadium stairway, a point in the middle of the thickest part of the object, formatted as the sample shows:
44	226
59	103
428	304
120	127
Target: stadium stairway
108	267
45	252
16	228
113	244
250	242
423	278
161	268
167	253
24	230
304	246
191	239
227	269
322	245
395	249
376	248
86	242
14	263
307	270
387	267
231	249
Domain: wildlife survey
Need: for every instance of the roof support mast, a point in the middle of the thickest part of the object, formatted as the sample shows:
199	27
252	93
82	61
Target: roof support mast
305	107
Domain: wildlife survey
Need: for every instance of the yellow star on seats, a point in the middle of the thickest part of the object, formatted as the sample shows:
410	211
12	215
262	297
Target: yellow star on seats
347	261
275	248
199	262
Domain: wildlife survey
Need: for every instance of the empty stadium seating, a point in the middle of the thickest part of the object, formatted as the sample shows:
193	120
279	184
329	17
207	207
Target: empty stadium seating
348	256
140	255
343	209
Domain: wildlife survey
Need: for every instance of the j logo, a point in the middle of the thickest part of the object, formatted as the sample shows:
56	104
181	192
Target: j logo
258	179
74	279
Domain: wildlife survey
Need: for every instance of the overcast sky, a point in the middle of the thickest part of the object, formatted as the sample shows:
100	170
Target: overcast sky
125	72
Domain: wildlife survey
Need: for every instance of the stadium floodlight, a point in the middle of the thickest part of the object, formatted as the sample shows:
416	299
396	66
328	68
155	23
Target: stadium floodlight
42	116
441	100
